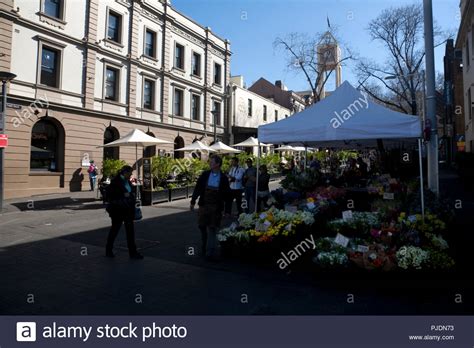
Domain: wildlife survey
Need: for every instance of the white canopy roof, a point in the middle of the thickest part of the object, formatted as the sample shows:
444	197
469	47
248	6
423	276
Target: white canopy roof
196	146
346	114
137	137
220	147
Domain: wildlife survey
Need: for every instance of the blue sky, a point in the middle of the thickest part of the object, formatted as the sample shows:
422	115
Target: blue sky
252	26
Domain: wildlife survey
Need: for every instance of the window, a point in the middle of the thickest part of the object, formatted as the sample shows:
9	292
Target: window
276	115
472	38
150	46
111	83
111	134
265	113
179	56
249	107
217	112
178	102
44	147
195	107
148	94
469	101
196	64
50	59
468	59
217	74
114	27
53	8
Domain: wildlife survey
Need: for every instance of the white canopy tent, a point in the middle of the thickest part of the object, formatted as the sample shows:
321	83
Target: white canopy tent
346	118
344	115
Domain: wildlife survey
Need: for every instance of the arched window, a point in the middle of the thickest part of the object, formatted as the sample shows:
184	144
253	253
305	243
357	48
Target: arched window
47	146
111	134
149	151
178	143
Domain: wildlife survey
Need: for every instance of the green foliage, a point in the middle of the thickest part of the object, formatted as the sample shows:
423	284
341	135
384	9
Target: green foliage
301	182
161	169
110	167
189	169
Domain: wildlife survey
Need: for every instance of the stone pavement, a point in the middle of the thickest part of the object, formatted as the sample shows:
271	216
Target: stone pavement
52	262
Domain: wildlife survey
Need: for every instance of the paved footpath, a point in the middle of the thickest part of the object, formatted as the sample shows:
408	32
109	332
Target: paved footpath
52	262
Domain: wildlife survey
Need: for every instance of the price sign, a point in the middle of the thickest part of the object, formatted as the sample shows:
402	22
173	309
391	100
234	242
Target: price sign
347	215
341	240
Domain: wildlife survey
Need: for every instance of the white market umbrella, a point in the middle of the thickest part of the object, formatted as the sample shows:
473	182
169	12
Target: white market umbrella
250	142
285	148
220	147
137	138
196	146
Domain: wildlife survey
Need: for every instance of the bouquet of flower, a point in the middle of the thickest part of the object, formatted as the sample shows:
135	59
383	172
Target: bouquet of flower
440	260
360	224
410	257
329	259
267	225
330	193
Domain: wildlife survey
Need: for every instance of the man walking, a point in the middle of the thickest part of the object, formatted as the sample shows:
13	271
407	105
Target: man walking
250	183
213	191
236	174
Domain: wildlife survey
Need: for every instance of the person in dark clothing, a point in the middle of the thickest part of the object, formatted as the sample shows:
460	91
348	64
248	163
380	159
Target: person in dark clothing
263	188
121	208
213	191
363	168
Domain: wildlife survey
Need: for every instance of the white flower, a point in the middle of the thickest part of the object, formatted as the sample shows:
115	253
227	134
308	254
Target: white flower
411	257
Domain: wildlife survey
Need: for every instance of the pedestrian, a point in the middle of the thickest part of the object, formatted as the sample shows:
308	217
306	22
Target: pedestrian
250	183
263	188
92	170
213	191
235	176
121	208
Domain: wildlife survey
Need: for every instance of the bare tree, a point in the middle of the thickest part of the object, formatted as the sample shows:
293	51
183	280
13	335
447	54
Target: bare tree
303	57
400	31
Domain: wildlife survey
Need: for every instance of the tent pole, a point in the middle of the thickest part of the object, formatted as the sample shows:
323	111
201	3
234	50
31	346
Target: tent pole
305	156
421	180
256	184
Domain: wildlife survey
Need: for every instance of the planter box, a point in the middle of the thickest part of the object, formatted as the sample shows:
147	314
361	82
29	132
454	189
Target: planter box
190	190
276	176
160	196
178	193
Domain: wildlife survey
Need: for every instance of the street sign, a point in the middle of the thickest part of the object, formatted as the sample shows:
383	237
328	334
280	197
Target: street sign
13	106
3	141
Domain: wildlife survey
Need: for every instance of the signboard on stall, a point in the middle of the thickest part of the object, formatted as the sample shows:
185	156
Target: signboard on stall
147	176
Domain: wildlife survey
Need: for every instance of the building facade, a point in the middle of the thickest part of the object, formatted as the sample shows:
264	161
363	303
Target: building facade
88	72
279	93
249	110
453	120
465	43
